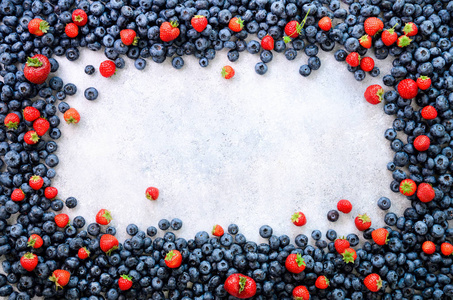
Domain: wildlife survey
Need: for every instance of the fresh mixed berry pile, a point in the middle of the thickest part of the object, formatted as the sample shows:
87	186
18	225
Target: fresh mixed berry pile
46	253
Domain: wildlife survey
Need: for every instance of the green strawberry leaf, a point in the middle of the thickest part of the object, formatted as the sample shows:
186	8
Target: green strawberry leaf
242	282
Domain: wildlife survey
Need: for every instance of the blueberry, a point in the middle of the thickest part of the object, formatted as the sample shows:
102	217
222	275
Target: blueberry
91	93
233	229
316	235
89	70
265	231
333	215
164	224
305	70
177	62
261	68
176	224
384	203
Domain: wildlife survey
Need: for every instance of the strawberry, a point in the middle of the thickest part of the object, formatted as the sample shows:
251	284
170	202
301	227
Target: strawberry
408	187
341	244
423	82
108	243
446	248
50	192
299	219
403	41
38	27
152	193
389	36
373	94
169	31
344	206
79	17
173	259
425	192
373	282
199	23
240	286
60	277
17	195
62	220
301	293
429	247
380	236
407	88
410	29
103	217
71	116
322	282
267	42
35	241
236	24
349	255
293	28
37	68
41	126
227	72
373	25
31	137
353	59
295	263
421	143
367	64
71	30
325	23
29	261
365	41
83	253
36	182
30	113
217	230
129	37
429	112
107	68
362	222
125	282
12	121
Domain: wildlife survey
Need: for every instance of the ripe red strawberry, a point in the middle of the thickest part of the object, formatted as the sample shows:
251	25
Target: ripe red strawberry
30	113
365	41
173	259
380	236
373	94
60	277
322	282
125	282
17	195
349	255
152	193
35	241
295	263
227	72
31	137
446	248
62	220
29	261
301	293
362	222
353	59
267	43
389	36
240	286
199	23
129	37
107	68
299	219
325	23
37	68
423	82
292	30
236	24
410	29
403	41
428	247
12	121
408	187
429	112
36	182
108	243
38	27
71	116
71	30
217	230
341	244
425	192
83	253
367	64
50	192
344	206
169	31
421	143
41	126
103	217
407	88
373	25
79	17
373	282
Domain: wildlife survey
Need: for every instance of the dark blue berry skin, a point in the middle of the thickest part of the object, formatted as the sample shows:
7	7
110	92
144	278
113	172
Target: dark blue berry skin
90	70
261	68
91	93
